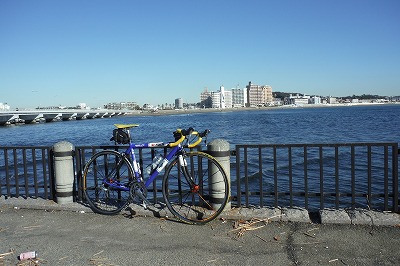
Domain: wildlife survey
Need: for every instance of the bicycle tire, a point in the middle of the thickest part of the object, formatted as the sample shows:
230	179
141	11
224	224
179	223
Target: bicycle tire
196	206
100	170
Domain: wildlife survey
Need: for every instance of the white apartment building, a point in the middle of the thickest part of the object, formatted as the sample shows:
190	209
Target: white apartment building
297	99
315	100
226	98
331	100
239	97
215	99
4	107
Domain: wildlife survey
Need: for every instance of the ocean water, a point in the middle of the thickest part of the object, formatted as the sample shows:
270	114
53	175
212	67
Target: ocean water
377	123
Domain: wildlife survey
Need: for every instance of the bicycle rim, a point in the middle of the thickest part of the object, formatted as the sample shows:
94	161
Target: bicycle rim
102	173
202	203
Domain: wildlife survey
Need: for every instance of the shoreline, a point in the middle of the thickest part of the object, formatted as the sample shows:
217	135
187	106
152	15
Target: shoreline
243	109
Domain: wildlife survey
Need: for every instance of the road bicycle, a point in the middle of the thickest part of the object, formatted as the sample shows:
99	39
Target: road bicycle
195	186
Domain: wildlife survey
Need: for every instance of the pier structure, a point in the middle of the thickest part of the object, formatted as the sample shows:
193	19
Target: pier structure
37	116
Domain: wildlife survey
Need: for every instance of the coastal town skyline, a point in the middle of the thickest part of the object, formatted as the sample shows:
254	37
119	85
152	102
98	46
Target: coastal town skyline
65	52
277	98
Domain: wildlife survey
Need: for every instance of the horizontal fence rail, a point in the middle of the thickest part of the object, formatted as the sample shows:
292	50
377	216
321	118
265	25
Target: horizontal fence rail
318	176
26	172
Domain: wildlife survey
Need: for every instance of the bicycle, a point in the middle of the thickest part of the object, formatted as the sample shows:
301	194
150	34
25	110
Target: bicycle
195	186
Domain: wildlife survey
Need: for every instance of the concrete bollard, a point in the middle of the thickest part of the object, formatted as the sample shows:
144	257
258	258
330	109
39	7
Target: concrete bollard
219	149
64	171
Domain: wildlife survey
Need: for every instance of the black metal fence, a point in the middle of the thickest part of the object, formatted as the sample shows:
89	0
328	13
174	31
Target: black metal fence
311	176
318	176
26	172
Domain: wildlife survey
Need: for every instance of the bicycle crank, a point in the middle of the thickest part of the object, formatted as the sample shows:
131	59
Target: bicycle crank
138	193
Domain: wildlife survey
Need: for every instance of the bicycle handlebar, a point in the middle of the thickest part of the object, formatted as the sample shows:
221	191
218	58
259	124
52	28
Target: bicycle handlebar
182	134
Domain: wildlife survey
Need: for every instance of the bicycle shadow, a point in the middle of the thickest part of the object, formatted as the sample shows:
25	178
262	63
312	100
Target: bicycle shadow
158	210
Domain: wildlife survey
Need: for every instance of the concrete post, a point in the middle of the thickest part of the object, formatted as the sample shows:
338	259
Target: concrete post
219	149
64	171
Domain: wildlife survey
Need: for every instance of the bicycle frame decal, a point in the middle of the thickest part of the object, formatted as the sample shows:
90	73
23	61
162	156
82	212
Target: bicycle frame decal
162	165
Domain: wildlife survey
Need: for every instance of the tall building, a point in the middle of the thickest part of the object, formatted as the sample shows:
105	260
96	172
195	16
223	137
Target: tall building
216	99
179	103
239	97
205	99
258	95
226	98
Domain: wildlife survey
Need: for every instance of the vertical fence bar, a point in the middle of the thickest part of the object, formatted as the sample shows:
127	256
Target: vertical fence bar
153	154
8	187
353	177
275	178
35	180
260	170
44	166
369	177
321	177
246	177
238	189
386	177
79	169
395	175
24	162
305	177
47	164
290	176
337	193
16	174
1	183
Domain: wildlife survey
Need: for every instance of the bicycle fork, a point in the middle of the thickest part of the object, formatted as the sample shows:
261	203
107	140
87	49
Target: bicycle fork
183	166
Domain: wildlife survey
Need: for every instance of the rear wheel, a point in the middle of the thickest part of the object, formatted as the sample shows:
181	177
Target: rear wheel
106	180
201	200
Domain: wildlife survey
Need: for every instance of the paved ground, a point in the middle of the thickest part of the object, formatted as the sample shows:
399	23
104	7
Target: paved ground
75	236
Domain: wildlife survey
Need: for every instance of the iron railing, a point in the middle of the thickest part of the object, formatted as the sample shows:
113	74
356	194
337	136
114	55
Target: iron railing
311	176
26	172
318	176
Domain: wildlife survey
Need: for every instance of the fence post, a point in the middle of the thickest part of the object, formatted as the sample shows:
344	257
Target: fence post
64	171
219	149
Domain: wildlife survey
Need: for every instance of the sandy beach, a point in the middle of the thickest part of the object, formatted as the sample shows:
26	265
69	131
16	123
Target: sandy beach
214	110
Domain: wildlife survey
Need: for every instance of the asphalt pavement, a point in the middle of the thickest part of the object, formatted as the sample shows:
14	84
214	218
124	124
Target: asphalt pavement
70	236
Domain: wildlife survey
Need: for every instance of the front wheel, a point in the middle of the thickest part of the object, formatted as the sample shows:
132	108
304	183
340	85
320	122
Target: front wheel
195	189
106	180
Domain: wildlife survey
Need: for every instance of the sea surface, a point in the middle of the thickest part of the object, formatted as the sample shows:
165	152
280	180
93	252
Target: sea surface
323	125
374	123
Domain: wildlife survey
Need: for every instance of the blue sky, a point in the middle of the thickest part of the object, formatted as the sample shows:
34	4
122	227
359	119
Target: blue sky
73	51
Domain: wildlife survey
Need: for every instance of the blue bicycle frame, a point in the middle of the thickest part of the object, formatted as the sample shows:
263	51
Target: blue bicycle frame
130	152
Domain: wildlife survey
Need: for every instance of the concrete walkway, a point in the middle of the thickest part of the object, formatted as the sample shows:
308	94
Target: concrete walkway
72	235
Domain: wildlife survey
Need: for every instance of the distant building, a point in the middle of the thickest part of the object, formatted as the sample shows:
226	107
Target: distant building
205	99
258	95
331	100
4	107
315	100
215	99
121	105
225	97
297	99
239	97
178	103
83	106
